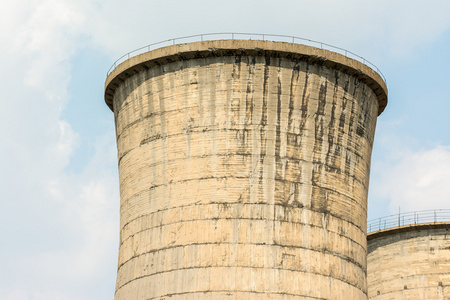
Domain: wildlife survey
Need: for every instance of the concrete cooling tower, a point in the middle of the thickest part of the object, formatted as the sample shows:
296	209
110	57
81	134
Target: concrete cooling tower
244	171
410	262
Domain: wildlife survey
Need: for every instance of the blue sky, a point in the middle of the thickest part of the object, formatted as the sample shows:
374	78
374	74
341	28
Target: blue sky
59	220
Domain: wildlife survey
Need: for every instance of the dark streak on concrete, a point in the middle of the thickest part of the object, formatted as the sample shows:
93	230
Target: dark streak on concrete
305	101
265	92
294	79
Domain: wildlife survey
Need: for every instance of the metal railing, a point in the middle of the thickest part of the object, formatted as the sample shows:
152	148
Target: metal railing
243	36
409	218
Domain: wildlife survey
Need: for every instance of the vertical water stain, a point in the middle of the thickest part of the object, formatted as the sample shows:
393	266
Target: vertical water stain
251	61
265	91
294	79
305	101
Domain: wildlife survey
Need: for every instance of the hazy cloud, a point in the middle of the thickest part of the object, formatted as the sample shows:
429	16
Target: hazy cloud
56	225
418	180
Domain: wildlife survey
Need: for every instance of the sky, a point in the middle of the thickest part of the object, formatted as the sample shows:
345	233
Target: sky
59	201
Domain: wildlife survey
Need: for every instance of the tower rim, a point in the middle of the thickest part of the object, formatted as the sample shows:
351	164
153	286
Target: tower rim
203	49
407	228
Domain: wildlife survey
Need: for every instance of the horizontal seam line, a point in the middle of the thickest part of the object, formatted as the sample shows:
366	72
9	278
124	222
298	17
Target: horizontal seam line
141	277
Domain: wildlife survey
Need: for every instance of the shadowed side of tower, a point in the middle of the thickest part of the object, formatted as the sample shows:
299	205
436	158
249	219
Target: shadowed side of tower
244	170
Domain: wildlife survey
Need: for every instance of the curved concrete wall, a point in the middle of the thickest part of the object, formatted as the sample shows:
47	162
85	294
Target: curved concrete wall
244	169
410	262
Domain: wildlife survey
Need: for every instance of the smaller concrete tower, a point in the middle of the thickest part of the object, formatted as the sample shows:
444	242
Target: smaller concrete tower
409	262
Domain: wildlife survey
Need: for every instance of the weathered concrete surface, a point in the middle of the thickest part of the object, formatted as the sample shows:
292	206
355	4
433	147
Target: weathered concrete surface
410	262
244	169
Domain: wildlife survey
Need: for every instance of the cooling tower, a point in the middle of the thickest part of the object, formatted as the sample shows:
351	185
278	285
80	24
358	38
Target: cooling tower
244	171
410	262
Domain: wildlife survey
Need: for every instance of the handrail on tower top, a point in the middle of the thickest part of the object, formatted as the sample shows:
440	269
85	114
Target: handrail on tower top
409	218
233	35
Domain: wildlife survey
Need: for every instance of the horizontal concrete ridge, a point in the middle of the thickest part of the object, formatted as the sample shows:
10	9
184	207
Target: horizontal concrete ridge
407	228
204	49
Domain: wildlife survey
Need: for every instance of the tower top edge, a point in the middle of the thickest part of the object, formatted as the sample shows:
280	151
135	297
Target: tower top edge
203	49
407	228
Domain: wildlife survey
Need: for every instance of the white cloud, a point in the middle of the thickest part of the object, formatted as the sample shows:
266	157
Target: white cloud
64	250
410	176
416	180
23	295
58	226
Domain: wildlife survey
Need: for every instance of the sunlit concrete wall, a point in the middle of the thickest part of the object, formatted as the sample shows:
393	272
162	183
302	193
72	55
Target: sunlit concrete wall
410	262
244	171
